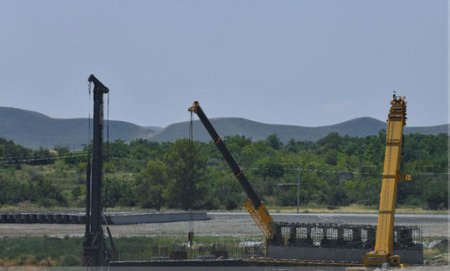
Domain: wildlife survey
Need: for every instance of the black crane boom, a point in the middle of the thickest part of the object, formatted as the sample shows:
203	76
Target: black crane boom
256	208
226	155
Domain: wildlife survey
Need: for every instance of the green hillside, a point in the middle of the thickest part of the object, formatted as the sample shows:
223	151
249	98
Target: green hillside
34	130
359	127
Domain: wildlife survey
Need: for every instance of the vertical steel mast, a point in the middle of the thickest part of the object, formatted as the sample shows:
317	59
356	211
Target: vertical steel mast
94	251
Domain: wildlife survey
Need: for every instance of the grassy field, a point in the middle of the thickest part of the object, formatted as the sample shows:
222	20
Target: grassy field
353	209
42	251
52	251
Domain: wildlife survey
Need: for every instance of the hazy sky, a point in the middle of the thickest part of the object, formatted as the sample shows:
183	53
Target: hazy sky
307	63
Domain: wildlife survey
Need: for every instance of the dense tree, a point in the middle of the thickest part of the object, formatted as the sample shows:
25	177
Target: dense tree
188	175
332	141
151	185
331	157
118	193
229	193
45	192
274	141
336	170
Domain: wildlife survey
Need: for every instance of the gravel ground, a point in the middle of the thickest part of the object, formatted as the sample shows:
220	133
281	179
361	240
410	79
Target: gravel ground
274	268
430	268
219	224
222	225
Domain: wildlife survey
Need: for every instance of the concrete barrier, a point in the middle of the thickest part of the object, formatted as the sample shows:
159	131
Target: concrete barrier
40	218
115	218
124	218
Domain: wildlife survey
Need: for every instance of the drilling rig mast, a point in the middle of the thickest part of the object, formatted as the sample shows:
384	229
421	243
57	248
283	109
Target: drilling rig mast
94	249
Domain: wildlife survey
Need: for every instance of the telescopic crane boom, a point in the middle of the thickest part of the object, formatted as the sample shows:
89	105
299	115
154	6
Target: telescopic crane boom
253	204
384	242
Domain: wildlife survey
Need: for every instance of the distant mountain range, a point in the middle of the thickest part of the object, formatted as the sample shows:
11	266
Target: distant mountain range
359	127
34	130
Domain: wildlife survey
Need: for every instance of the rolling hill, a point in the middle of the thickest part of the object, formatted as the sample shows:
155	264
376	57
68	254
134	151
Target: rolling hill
34	130
359	127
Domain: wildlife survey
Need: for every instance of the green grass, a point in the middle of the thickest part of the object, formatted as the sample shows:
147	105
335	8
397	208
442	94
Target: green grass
51	251
354	208
39	250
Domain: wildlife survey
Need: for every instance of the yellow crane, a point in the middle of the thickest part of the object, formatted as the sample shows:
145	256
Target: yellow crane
384	242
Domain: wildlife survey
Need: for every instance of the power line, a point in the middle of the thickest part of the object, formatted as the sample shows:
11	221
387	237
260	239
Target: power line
342	171
11	159
26	160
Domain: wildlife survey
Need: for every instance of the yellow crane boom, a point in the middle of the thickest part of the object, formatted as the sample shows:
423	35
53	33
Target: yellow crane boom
384	242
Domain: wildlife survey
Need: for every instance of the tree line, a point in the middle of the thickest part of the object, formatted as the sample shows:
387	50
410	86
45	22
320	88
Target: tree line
334	171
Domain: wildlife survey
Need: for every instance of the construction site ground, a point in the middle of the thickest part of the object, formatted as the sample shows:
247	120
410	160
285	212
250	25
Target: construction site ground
232	224
434	226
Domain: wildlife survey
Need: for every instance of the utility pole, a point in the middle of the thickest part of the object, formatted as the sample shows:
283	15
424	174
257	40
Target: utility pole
298	191
94	250
295	184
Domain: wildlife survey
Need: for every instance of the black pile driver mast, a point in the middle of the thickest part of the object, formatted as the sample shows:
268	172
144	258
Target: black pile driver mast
94	250
254	205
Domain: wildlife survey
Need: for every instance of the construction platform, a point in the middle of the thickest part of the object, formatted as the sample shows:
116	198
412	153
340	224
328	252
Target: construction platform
242	264
303	245
339	242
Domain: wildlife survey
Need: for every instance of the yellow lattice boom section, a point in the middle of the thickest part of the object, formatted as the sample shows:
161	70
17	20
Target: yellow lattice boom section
384	243
261	217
